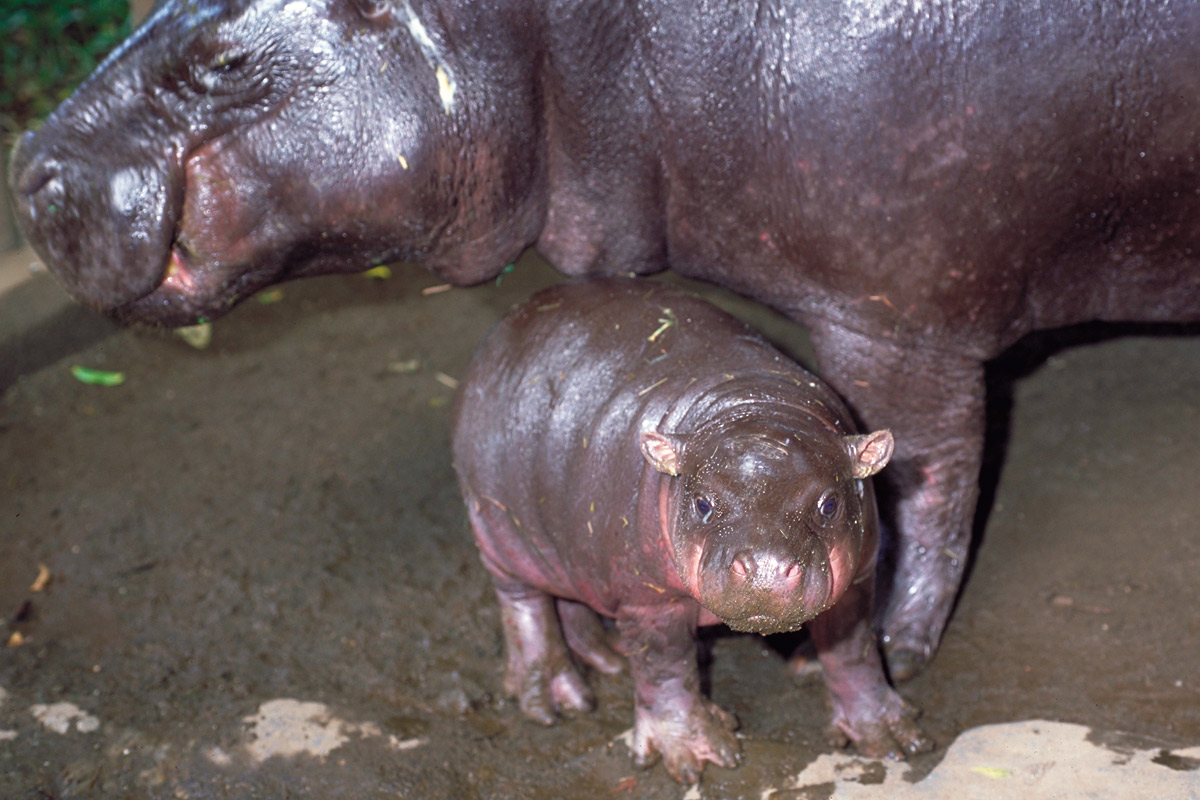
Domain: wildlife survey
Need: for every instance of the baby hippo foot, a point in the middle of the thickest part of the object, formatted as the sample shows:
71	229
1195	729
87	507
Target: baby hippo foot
539	670
548	688
881	725
686	738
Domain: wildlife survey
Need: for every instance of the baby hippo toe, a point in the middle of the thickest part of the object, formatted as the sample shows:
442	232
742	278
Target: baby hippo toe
685	740
890	733
543	694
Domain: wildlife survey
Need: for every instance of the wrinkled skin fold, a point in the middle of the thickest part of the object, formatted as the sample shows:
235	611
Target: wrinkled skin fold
919	185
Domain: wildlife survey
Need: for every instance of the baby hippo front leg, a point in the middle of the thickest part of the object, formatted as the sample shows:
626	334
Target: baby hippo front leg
866	710
672	718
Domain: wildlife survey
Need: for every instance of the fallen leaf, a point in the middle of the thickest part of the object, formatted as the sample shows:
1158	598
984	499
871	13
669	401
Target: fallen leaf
378	273
198	336
42	579
404	367
97	377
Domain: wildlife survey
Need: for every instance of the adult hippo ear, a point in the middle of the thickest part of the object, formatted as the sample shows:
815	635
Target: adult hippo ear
663	451
869	452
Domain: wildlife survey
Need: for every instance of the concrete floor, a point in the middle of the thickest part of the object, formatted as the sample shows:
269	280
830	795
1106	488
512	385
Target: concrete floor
1069	671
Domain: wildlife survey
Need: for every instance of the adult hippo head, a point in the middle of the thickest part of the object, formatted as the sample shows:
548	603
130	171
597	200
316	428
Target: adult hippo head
231	144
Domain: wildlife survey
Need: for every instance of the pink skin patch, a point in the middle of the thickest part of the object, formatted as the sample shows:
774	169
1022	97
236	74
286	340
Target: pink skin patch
842	567
178	278
688	567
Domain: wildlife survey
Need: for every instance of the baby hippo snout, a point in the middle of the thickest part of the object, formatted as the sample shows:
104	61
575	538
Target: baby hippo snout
768	570
765	591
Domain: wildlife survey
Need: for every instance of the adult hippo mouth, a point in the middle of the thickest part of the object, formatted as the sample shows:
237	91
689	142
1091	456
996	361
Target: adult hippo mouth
105	236
166	246
219	251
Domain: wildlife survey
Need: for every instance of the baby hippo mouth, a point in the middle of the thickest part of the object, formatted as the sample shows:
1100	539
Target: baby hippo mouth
788	615
768	593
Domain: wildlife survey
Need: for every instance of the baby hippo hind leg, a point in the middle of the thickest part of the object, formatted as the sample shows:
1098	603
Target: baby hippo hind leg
539	672
672	719
587	638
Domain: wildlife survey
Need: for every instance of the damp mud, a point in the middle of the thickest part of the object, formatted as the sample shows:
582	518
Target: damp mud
246	572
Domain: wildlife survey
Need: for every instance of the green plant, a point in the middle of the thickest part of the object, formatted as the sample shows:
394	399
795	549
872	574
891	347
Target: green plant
46	48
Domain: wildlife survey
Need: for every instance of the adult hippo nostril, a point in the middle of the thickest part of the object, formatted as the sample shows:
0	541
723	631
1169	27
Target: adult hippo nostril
106	231
38	178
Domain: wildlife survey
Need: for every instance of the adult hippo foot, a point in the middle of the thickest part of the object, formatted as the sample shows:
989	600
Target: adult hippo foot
906	658
914	621
878	727
685	738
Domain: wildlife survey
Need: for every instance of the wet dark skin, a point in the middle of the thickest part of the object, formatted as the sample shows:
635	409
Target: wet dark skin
918	186
630	449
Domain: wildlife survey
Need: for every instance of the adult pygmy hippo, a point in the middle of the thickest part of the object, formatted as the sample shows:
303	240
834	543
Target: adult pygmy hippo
920	184
634	450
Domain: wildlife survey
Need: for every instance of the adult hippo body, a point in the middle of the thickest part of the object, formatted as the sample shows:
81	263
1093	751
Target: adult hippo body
918	184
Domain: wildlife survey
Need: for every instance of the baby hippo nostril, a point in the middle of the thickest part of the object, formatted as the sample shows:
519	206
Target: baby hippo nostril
793	573
744	566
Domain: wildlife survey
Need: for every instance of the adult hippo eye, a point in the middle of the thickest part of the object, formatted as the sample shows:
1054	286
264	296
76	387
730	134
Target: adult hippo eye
827	506
704	509
372	8
228	61
214	76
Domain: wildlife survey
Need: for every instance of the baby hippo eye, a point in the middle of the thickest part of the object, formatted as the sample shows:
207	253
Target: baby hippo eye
827	506
704	509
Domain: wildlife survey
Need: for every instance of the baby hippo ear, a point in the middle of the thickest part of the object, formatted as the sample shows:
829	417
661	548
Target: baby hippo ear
870	452
663	451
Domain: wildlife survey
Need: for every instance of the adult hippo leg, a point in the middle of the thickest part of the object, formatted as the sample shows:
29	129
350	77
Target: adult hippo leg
933	402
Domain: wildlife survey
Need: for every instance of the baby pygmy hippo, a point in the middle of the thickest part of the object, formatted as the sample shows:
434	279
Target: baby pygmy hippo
630	449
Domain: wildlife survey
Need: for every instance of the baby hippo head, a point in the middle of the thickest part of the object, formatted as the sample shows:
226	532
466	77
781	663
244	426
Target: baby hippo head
769	524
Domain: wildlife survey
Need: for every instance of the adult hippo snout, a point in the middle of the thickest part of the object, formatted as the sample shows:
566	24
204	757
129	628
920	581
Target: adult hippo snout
107	225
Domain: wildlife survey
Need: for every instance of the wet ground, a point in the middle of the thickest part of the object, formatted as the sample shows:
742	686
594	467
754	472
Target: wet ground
246	572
